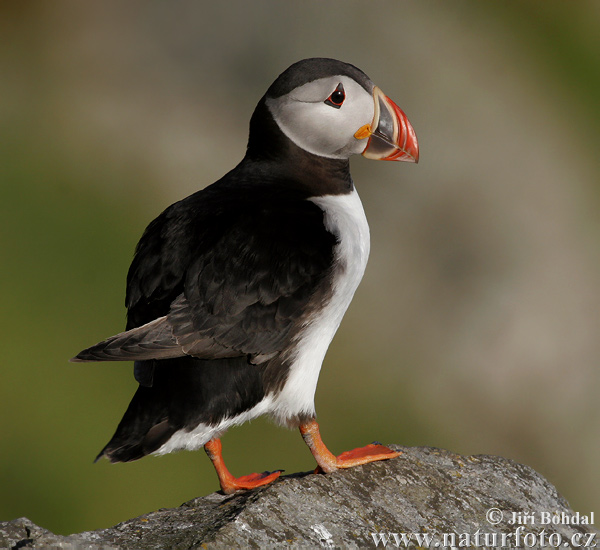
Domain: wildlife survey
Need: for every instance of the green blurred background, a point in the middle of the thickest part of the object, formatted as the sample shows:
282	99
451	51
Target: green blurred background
477	325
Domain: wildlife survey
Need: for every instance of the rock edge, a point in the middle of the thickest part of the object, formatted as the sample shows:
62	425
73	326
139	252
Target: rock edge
425	491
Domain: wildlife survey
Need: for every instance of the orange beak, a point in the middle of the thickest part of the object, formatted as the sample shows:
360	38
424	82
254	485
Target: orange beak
391	136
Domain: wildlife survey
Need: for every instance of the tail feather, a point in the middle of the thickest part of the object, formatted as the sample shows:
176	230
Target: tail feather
186	392
144	428
118	450
153	340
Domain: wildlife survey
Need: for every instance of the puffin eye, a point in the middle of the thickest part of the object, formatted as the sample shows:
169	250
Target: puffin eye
337	97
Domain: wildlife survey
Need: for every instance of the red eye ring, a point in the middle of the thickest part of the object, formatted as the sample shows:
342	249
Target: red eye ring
337	97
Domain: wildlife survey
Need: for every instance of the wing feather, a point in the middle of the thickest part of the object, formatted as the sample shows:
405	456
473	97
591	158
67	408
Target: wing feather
221	274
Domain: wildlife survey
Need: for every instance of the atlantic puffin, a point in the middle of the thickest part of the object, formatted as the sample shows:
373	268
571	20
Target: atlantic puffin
235	292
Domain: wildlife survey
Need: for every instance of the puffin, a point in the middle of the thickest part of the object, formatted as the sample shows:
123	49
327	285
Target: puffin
235	292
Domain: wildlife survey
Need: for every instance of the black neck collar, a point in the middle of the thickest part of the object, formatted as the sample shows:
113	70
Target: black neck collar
269	146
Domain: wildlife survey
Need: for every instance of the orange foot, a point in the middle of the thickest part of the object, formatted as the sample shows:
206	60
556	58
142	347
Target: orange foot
251	481
363	455
230	484
329	463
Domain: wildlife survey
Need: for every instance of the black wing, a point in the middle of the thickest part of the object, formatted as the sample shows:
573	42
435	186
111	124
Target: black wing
224	273
245	294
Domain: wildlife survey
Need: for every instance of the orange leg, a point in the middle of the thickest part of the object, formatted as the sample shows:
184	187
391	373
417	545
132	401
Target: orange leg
328	462
230	484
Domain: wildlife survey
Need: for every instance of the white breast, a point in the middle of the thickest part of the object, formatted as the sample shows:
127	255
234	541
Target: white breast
345	218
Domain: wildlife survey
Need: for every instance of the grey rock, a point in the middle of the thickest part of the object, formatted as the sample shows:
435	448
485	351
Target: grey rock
459	501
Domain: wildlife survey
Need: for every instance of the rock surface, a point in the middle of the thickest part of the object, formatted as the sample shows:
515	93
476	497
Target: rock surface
424	492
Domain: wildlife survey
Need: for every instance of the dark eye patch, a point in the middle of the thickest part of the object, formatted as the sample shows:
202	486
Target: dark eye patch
337	97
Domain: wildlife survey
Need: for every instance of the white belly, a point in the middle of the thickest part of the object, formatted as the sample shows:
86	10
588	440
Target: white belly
345	218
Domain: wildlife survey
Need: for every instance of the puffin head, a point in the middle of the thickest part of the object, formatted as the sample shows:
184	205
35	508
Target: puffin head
333	110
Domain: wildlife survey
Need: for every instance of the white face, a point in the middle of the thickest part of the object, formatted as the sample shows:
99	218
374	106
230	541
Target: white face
312	123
